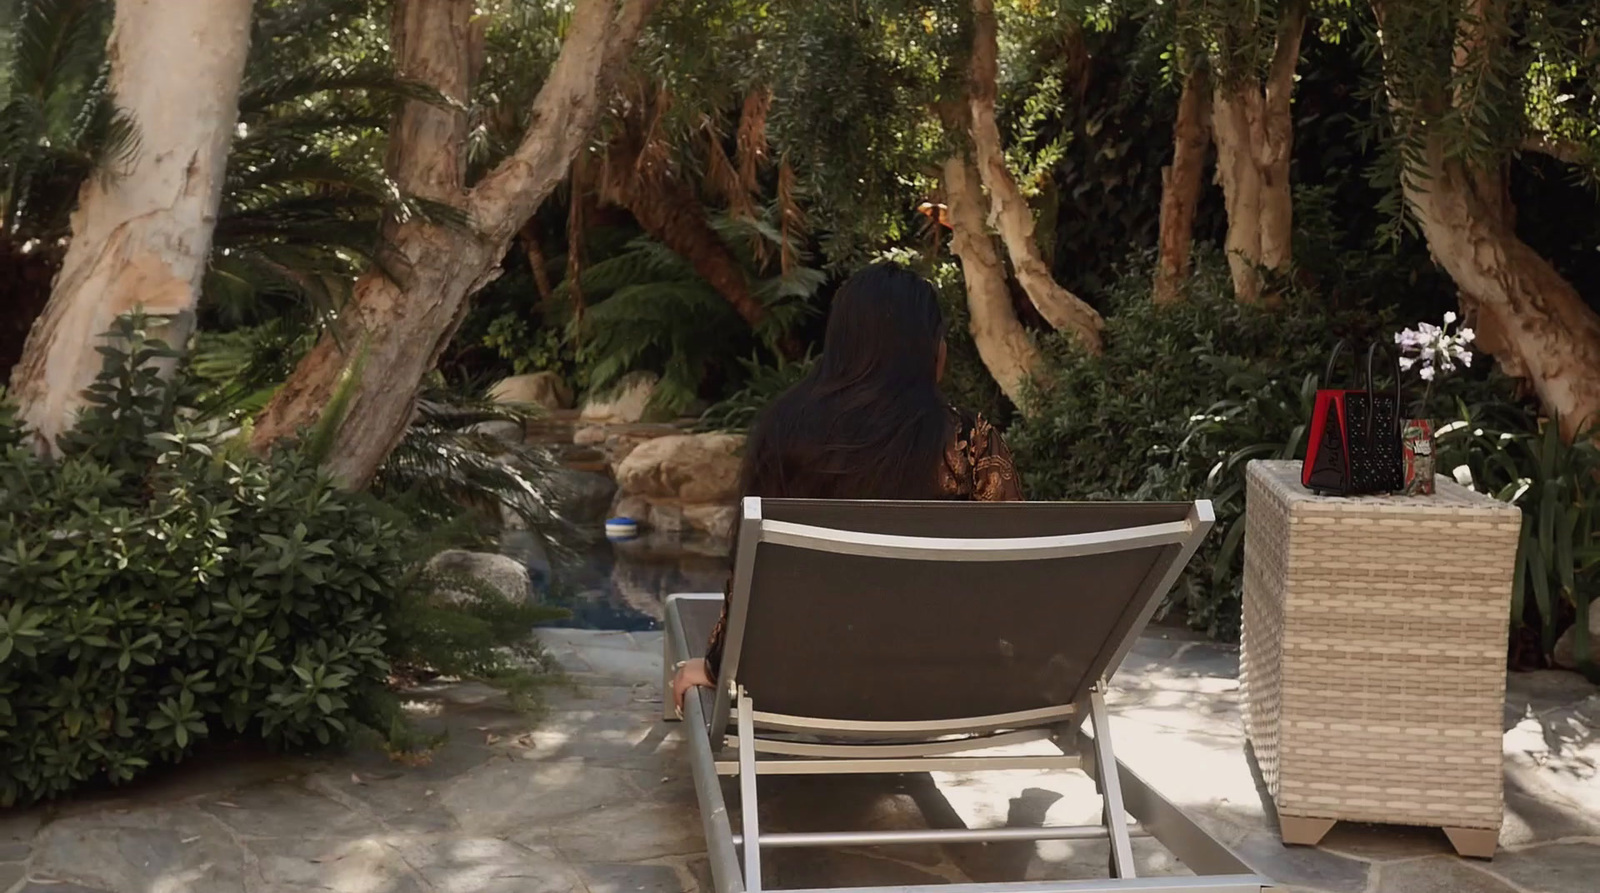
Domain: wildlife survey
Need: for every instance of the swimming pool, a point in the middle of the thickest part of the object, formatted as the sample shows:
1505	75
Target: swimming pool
623	585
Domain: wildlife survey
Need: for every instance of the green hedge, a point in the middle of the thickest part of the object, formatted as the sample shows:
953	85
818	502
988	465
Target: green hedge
1181	397
158	593
1184	397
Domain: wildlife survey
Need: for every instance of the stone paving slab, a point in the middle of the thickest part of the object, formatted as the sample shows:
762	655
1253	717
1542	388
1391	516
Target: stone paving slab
595	797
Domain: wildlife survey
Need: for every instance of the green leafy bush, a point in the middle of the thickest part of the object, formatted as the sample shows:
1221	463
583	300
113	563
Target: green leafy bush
1180	399
1502	447
159	592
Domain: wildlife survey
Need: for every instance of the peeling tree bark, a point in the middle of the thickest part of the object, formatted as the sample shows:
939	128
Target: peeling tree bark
1003	344
393	330
1180	187
1009	211
141	234
1254	131
1531	318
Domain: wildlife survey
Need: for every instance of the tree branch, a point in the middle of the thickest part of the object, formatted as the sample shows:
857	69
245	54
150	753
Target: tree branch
1285	58
578	87
1566	151
1009	212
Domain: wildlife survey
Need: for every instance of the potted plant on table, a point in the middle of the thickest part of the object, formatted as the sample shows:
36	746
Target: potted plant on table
1431	351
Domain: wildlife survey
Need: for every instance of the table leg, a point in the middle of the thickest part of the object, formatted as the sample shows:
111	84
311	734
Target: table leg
1473	843
1301	831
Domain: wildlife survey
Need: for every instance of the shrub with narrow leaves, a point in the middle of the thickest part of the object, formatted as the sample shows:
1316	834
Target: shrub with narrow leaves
159	592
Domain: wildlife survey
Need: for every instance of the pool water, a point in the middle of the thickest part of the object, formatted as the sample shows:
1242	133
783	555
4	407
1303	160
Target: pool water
623	585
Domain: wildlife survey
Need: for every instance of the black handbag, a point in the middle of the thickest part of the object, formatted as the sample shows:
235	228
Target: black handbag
1355	448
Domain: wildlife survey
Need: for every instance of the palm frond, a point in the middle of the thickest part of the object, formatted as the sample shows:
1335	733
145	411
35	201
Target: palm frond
56	122
58	44
236	372
372	79
448	461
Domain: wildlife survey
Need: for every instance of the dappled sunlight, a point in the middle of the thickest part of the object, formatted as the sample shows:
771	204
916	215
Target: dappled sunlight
1562	744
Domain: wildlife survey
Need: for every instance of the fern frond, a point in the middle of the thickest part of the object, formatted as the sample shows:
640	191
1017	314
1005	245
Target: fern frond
296	86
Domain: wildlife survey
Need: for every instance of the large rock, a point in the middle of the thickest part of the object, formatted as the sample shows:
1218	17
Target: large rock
504	430
1566	650
615	442
713	519
623	405
690	468
528	547
585	497
534	389
504	575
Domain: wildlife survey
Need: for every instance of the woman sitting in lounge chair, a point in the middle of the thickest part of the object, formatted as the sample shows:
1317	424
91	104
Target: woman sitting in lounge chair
869	421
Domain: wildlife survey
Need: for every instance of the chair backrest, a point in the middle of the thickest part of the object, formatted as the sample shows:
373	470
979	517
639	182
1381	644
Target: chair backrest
897	612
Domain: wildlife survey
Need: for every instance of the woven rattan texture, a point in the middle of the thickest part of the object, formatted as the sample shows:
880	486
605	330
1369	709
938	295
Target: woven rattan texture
1373	665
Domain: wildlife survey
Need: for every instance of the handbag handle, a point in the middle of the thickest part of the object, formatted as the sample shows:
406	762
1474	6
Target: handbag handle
1333	361
1372	388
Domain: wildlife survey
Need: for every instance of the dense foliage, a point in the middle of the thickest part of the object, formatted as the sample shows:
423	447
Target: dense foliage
164	589
161	593
1506	450
1128	424
804	136
1186	396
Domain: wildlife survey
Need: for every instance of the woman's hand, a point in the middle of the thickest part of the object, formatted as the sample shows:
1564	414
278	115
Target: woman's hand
691	674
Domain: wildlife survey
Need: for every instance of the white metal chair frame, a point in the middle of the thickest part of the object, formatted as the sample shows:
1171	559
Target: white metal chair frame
954	745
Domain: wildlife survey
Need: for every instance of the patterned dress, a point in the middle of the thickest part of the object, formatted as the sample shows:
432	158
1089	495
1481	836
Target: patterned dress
977	468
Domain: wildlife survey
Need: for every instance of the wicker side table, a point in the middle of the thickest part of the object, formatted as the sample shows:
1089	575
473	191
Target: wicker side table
1373	660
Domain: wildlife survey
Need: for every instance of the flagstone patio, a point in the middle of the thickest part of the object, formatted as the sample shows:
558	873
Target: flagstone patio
595	797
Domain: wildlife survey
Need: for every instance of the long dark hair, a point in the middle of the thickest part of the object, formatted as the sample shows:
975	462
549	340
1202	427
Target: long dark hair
869	421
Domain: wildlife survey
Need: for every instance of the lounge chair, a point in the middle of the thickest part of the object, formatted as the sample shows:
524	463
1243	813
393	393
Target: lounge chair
899	637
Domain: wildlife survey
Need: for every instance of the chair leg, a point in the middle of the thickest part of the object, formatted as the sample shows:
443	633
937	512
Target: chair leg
749	806
1110	784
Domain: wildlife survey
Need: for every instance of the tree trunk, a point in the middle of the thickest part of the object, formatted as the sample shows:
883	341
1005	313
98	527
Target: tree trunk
1532	319
1180	187
1253	126
1003	344
671	213
1538	325
1009	211
393	330
141	234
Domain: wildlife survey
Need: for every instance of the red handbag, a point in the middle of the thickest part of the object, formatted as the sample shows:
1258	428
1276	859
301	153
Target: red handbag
1353	442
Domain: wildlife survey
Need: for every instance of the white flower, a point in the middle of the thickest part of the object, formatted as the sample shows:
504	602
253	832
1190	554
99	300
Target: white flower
1432	349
